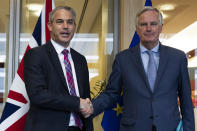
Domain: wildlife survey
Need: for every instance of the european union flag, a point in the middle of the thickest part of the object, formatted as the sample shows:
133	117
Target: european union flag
111	117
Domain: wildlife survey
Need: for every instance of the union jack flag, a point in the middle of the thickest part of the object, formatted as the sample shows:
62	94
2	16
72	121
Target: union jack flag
17	104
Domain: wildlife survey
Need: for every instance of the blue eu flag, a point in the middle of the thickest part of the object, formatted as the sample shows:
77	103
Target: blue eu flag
111	117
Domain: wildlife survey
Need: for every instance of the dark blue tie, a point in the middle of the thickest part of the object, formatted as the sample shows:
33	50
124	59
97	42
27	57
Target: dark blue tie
151	70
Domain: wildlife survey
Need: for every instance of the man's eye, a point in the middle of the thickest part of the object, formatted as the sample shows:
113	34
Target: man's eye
154	23
143	24
59	21
70	22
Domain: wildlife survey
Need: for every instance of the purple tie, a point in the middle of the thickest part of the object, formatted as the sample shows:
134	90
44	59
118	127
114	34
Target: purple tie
71	85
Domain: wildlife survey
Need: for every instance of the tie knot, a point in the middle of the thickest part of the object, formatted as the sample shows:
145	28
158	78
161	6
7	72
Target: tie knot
149	52
65	52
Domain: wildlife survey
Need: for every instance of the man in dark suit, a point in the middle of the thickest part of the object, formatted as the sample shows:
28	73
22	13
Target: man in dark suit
151	76
56	78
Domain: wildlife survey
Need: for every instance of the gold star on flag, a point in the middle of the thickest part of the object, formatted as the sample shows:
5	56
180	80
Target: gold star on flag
121	94
118	109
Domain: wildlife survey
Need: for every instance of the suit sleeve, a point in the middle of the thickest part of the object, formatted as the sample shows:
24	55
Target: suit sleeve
36	85
110	96
88	126
185	98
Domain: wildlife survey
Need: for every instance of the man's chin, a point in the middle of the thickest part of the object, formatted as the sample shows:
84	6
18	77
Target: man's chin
64	43
149	41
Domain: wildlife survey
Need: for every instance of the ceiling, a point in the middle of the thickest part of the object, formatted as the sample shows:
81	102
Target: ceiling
182	16
86	13
179	18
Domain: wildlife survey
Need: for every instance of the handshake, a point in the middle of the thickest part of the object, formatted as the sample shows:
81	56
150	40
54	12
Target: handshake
86	107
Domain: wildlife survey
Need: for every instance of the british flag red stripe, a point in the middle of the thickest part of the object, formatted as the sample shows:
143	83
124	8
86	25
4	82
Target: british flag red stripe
48	9
17	104
17	96
20	68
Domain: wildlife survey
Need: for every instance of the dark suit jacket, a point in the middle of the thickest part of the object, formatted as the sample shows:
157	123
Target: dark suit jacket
142	108
50	102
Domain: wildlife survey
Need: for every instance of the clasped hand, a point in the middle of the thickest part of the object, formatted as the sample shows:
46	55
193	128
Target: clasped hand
86	107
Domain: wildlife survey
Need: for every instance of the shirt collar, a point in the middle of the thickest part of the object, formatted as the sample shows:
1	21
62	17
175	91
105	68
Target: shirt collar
155	49
59	48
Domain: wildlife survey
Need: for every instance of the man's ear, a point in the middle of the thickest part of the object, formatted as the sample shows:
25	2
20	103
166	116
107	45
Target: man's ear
49	25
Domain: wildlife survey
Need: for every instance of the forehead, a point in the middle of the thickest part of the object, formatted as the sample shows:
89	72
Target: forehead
63	14
149	15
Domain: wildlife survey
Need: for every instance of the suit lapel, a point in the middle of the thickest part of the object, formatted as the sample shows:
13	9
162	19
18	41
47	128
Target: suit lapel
163	59
136	57
53	56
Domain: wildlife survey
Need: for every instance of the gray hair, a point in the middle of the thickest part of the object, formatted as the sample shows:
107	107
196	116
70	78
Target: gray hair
148	8
67	8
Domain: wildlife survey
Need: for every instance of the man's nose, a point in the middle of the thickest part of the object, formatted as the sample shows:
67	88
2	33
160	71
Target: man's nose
148	27
65	24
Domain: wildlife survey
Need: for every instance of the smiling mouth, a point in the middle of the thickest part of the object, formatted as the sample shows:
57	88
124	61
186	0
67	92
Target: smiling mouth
148	34
65	34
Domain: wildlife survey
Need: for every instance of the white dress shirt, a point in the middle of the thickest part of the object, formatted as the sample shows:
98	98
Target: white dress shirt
59	48
145	57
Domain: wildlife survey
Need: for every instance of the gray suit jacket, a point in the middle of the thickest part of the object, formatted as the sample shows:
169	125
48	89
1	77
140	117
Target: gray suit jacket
142	108
50	101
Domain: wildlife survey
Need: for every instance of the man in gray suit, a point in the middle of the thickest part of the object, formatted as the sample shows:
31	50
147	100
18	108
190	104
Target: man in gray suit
152	77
